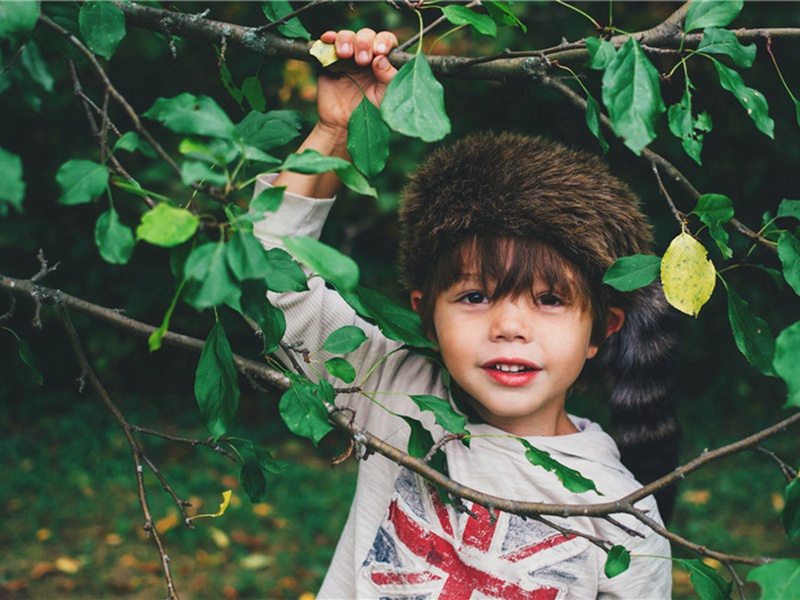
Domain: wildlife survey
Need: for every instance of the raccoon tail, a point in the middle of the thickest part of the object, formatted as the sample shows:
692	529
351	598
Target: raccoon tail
639	364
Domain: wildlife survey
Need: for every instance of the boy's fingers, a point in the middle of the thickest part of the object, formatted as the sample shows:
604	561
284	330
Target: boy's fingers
383	69
328	37
363	50
384	42
345	40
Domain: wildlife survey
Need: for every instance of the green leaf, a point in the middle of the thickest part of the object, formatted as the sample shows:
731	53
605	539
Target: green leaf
632	272
278	9
167	225
226	79
114	240
192	115
787	357
395	321
593	122
271	321
214	151
723	41
708	584
789	253
269	200
311	162
789	208
779	580
461	15
199	172
345	339
154	339
368	138
339	367
790	516
355	181
252	480
246	256
81	181
303	411
617	561
752	100
569	478
12	191
17	19
262	457
271	130
688	129
711	13
632	96
26	356
215	384
253	154
327	262
254	94
752	334
102	26
414	102
601	53
502	15
420	441
216	285
714	210
131	142
32	61
445	415
283	273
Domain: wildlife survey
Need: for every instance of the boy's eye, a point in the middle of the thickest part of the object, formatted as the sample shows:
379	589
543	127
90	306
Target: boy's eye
473	298
549	300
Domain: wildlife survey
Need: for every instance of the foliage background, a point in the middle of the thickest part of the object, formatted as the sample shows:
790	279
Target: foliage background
68	490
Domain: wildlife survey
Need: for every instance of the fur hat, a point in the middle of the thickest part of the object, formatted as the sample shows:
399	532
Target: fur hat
513	185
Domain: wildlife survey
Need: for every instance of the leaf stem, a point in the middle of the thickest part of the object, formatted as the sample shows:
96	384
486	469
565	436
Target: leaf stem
580	12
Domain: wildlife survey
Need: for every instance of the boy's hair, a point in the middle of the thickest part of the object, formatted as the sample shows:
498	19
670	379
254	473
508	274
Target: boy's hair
563	212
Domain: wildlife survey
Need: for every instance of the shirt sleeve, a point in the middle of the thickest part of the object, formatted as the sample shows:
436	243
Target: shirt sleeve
312	315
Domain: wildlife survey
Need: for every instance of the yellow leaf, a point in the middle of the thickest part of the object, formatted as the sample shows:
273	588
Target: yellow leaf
226	500
68	565
324	53
220	538
687	275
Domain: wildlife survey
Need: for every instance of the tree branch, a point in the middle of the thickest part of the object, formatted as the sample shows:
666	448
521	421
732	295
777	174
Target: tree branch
419	466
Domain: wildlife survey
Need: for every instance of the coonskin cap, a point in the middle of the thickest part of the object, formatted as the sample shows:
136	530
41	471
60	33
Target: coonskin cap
514	185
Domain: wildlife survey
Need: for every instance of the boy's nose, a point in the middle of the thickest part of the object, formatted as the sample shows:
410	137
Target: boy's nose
510	321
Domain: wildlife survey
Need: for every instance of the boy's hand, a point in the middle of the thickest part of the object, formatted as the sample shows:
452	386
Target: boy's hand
338	97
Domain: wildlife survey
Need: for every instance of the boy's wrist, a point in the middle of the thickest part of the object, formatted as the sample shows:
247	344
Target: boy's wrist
331	139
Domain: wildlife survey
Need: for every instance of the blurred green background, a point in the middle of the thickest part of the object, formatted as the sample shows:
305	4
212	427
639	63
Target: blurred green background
71	520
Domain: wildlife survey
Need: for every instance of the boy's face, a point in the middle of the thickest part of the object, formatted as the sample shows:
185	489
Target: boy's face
514	357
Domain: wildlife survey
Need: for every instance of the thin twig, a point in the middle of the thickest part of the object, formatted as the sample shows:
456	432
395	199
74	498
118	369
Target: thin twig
209	443
413	39
788	472
136	450
180	502
291	15
679	216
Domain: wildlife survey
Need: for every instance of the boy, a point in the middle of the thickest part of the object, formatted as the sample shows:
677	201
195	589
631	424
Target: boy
506	280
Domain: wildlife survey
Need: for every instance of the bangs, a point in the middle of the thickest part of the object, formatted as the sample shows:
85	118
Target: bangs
510	266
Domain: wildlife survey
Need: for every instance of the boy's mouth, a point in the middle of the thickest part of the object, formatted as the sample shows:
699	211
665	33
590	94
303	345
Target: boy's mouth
511	372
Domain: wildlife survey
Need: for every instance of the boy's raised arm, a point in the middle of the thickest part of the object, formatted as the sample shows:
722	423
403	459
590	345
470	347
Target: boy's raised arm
337	98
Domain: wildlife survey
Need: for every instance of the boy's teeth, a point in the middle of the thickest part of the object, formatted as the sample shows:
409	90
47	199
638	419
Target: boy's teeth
510	368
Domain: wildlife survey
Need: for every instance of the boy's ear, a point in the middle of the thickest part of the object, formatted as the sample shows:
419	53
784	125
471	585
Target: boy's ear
616	317
416	299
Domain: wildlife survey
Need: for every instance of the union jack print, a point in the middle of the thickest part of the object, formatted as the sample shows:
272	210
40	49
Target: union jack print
427	550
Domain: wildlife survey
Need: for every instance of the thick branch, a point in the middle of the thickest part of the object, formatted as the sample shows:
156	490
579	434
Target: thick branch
499	69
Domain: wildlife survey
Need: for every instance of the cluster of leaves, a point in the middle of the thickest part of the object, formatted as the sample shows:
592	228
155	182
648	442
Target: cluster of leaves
631	90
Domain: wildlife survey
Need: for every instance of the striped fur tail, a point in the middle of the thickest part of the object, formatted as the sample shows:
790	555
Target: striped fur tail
639	364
